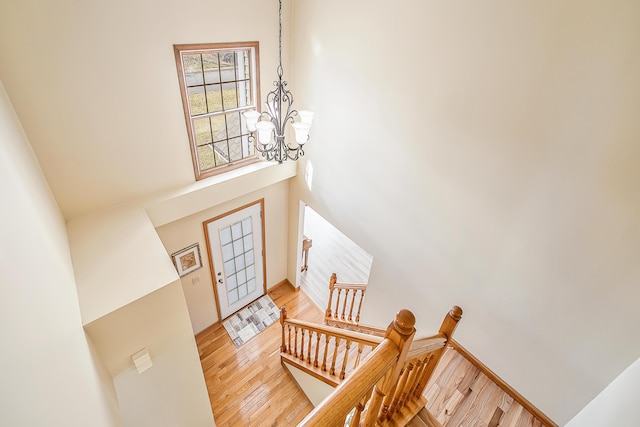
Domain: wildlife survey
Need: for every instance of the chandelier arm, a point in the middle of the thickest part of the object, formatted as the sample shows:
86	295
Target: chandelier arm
278	150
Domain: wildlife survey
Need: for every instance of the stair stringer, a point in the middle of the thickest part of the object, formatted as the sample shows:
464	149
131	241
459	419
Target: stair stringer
315	389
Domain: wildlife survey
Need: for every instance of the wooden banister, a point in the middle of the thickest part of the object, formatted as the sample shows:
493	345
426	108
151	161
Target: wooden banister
377	375
347	305
327	353
389	383
333	410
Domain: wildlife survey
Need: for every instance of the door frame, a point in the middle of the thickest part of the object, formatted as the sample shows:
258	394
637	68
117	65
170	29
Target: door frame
212	267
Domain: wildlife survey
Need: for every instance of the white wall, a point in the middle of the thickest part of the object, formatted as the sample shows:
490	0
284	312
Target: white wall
96	87
486	154
616	405
50	376
117	259
172	392
198	286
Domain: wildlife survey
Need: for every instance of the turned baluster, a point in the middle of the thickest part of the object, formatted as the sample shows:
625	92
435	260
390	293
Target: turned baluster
309	347
344	306
394	397
353	303
332	284
360	306
337	315
283	318
447	328
421	374
414	378
326	350
302	331
355	421
390	401
403	389
359	355
315	360
332	371
289	337
400	332
295	342
345	361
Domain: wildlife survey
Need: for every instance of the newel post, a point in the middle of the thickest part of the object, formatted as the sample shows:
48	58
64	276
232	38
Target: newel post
283	318
332	284
447	328
401	332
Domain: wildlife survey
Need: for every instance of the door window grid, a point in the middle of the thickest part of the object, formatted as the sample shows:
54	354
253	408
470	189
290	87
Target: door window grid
238	258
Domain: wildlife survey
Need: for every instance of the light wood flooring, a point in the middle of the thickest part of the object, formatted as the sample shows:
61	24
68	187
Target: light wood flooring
459	395
332	252
248	386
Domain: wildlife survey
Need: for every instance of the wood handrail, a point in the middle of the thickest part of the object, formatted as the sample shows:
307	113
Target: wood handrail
346	334
349	314
357	286
333	409
426	345
390	380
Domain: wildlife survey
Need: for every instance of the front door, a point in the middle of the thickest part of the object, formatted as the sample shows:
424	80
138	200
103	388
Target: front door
236	257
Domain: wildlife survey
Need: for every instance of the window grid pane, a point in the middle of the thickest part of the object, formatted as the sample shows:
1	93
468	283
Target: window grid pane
218	80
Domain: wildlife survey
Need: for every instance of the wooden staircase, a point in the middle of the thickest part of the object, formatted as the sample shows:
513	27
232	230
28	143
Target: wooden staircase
381	376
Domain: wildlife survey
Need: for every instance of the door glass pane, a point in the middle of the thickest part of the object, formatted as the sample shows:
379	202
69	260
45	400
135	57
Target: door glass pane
227	252
251	285
239	258
240	263
231	282
246	226
229	267
238	247
225	235
242	277
242	290
236	231
248	242
233	295
248	257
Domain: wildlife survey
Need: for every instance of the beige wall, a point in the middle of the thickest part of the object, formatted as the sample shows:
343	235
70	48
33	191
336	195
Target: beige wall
198	286
486	154
616	405
49	374
96	88
173	391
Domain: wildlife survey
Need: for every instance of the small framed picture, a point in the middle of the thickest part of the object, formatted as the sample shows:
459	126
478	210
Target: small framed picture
187	260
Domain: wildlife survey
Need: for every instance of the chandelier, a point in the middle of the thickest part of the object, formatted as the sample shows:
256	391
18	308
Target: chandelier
271	129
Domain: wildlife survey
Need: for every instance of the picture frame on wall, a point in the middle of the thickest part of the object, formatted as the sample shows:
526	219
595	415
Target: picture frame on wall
187	260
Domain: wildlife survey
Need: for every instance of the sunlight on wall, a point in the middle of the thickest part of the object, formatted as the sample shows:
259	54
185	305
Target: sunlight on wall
308	175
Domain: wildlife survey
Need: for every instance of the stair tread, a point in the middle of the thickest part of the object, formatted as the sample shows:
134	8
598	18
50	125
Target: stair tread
428	418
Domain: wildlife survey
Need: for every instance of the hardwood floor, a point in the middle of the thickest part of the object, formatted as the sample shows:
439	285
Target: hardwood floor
332	252
248	386
459	395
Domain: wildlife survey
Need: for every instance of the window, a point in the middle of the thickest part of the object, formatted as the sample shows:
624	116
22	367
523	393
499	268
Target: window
218	82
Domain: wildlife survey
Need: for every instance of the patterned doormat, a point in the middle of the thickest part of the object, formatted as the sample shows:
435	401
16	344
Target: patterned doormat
251	320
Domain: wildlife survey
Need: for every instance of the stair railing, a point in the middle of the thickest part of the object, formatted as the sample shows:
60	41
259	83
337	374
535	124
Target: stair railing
348	302
420	363
389	384
367	386
325	352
